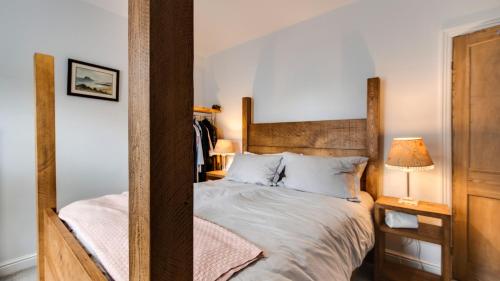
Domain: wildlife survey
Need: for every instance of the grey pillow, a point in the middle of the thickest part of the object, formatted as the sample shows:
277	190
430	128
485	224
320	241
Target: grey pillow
279	173
254	168
333	176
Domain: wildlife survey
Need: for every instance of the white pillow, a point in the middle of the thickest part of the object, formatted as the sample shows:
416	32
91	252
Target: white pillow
280	168
333	176
253	168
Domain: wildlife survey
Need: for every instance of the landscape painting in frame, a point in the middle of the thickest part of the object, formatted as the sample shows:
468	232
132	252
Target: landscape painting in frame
92	81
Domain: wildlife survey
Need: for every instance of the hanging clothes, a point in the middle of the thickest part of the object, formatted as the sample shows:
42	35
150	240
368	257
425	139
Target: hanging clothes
212	131
208	143
195	154
200	159
205	136
198	150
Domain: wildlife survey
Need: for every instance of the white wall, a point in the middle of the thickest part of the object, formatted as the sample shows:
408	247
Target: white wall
317	70
91	135
198	77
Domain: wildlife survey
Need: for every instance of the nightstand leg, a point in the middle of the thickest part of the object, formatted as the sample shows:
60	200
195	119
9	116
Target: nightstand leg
446	251
379	244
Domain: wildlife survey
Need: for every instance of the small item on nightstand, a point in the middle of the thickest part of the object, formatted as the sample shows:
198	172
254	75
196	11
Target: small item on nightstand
395	219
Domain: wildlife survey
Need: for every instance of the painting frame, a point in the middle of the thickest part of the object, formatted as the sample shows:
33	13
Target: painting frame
90	86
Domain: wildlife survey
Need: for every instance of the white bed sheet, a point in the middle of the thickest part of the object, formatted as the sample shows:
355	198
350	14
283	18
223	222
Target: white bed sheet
304	236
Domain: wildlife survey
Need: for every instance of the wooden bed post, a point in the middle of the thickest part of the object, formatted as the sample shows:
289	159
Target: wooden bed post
160	139
374	138
246	120
45	149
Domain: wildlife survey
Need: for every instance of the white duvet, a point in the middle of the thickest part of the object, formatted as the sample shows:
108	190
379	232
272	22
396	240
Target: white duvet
304	236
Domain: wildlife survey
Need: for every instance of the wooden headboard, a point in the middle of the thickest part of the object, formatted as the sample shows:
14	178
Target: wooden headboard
350	137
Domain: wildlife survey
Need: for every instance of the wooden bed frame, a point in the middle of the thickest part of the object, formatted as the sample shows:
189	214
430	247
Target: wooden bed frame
160	173
350	137
61	256
160	158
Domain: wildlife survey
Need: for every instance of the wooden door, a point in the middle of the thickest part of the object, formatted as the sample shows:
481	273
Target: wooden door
476	155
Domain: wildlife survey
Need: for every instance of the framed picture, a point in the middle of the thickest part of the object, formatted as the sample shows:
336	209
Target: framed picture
92	81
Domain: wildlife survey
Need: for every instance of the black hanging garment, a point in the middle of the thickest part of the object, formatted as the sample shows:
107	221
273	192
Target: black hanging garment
203	161
208	141
212	130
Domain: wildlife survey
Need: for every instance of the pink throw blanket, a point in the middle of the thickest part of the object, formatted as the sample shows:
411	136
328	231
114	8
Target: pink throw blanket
101	225
219	253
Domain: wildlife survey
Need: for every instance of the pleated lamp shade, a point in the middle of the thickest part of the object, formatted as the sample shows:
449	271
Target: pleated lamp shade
409	154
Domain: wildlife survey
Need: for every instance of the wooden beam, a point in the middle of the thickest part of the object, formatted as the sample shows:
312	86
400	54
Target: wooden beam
65	259
160	139
45	148
246	120
374	138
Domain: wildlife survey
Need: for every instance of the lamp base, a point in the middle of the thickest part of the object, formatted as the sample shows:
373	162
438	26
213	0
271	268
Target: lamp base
408	201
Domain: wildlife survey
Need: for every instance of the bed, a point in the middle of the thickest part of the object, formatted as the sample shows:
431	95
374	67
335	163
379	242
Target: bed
304	236
331	230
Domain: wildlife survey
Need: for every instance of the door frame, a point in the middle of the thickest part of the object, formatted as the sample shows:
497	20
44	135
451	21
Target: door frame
446	98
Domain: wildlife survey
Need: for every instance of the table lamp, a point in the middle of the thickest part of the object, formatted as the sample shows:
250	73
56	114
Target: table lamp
224	147
409	155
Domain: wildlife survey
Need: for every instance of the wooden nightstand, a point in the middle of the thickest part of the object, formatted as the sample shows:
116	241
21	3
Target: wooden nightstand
216	175
387	270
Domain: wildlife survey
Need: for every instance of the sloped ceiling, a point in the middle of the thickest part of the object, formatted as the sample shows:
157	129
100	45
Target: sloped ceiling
222	24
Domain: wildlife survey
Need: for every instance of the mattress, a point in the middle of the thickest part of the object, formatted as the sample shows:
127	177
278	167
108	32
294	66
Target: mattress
304	236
